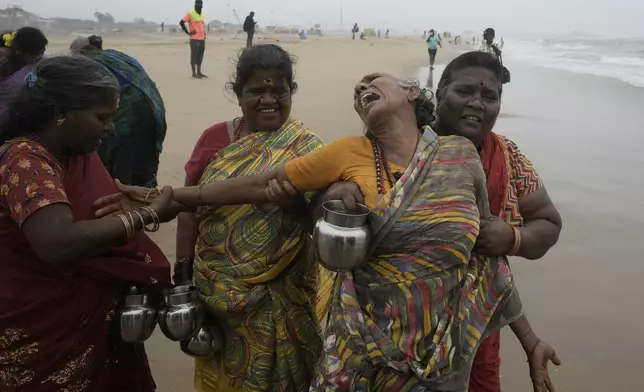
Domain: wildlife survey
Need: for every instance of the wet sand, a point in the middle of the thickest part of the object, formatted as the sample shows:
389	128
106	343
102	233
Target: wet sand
582	132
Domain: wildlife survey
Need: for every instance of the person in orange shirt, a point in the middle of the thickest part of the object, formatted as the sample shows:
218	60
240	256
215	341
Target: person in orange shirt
196	29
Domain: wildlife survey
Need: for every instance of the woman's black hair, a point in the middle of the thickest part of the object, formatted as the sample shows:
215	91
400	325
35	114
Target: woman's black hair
262	57
469	60
58	85
29	41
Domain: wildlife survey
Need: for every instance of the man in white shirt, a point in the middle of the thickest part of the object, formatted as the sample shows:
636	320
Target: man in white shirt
488	45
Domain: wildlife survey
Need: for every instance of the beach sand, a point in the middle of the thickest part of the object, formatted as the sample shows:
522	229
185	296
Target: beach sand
571	126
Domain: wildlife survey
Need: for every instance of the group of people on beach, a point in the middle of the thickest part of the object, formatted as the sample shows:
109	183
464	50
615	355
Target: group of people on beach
450	200
488	45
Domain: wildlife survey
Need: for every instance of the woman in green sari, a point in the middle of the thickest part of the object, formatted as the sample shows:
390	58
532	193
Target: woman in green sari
130	153
251	263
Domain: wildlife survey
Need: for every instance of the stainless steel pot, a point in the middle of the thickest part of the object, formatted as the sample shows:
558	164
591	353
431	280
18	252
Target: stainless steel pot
137	319
342	238
183	314
207	342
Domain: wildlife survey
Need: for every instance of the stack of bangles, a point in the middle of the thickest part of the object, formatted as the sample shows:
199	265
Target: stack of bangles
132	225
517	241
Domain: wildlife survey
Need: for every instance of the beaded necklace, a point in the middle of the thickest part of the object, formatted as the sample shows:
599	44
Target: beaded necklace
238	129
381	165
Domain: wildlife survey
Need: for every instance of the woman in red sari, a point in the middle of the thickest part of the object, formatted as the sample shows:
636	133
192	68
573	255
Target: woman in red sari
526	223
63	272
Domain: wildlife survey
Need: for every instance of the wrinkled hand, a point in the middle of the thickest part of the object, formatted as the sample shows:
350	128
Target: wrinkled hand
538	359
128	198
496	238
348	192
284	194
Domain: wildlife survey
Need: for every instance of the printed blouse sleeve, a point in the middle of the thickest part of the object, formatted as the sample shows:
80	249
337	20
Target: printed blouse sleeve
319	169
28	183
525	177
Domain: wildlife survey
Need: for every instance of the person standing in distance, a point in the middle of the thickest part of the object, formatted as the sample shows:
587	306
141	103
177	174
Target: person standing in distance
489	46
196	29
249	28
433	42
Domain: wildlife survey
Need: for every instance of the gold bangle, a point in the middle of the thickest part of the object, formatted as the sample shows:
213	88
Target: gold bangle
131	218
142	220
126	223
517	242
156	222
130	230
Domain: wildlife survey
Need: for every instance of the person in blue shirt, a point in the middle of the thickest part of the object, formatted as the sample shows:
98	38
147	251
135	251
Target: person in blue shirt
433	42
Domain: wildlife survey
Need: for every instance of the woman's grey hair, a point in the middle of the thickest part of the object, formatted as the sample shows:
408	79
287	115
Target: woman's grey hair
85	45
79	45
424	107
58	85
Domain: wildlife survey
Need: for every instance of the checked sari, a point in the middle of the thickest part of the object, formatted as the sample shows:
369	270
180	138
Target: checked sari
411	317
255	274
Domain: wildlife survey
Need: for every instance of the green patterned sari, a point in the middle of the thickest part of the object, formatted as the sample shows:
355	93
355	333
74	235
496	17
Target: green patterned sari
254	271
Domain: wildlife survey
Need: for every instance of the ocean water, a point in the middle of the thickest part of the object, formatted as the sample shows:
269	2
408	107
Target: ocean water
621	59
582	132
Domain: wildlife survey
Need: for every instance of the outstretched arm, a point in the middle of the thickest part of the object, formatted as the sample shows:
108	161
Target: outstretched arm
238	190
311	172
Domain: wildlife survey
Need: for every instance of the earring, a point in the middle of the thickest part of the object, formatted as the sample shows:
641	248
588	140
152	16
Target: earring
60	121
434	116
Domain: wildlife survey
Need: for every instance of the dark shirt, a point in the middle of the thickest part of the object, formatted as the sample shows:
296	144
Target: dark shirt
249	24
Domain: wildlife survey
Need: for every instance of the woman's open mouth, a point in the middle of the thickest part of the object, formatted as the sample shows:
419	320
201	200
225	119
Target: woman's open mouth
473	118
268	110
368	99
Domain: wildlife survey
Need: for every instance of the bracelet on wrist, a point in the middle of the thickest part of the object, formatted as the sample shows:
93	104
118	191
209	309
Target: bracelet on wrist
517	242
156	223
129	227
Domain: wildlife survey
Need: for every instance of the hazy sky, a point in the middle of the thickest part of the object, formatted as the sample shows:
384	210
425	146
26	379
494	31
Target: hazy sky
601	17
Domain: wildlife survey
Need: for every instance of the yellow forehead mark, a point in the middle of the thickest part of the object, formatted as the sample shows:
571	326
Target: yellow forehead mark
268	82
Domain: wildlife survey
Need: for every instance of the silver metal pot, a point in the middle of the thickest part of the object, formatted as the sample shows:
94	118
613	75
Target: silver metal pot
207	342
342	238
183	314
137	319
